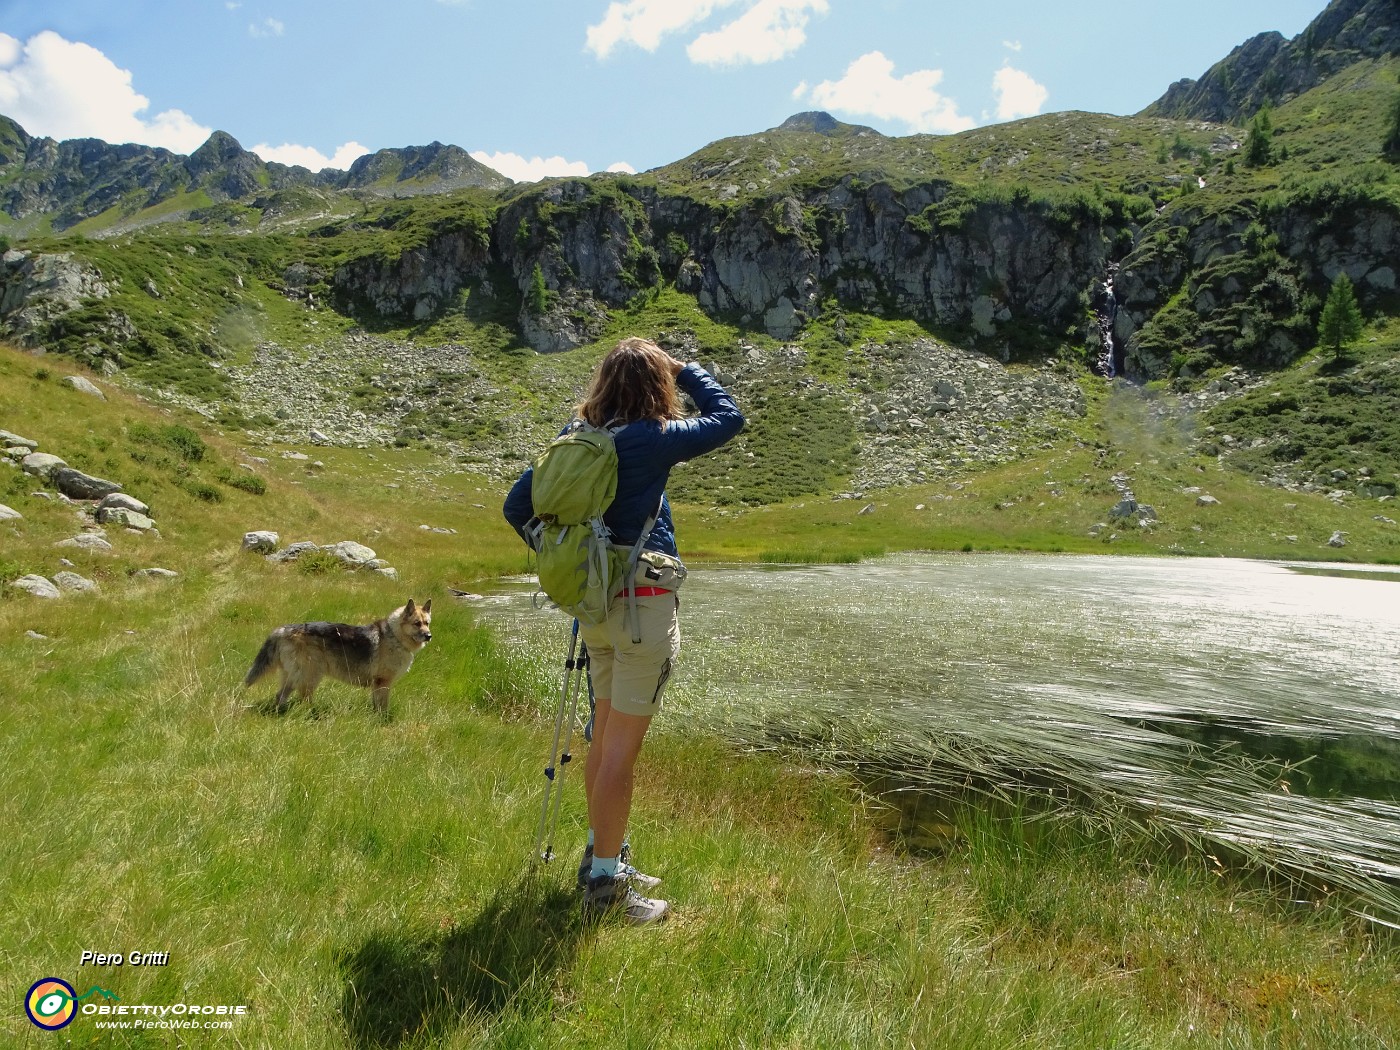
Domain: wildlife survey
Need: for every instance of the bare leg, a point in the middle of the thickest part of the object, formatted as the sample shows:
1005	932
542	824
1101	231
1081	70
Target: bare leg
609	775
601	709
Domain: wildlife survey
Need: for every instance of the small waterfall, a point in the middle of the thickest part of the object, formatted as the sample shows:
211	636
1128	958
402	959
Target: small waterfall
1107	313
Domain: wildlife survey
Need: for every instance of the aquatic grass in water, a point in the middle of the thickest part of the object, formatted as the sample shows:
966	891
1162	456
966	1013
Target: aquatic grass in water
816	557
1236	703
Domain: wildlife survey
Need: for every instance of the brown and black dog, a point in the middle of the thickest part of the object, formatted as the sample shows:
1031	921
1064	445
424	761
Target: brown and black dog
374	655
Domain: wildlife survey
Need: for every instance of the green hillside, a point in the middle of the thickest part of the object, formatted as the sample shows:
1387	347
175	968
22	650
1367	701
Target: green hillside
289	865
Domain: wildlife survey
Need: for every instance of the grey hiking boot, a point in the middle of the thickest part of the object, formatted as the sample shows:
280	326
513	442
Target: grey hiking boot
608	894
624	870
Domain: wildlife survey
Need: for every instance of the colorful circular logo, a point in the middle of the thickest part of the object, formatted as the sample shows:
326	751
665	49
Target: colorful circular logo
51	1003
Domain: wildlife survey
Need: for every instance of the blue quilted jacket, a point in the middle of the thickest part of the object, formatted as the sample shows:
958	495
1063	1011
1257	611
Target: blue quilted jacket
646	452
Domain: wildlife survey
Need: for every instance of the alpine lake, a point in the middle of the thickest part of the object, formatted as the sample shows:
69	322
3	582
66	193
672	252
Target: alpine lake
1249	709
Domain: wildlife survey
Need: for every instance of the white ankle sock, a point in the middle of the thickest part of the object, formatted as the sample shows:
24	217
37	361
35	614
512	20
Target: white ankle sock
603	866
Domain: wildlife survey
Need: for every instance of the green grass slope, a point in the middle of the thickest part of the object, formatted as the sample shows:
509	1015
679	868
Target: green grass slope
361	882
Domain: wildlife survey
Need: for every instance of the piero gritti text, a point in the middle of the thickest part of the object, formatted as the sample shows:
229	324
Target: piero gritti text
129	959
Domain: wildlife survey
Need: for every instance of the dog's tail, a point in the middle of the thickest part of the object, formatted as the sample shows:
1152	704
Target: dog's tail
263	662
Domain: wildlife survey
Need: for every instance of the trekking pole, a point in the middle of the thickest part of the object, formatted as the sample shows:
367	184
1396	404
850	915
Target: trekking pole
580	673
592	712
574	670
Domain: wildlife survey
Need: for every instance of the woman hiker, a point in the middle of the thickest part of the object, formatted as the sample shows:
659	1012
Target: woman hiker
634	393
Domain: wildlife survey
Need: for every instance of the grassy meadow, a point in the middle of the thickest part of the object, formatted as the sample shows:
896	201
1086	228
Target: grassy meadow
365	882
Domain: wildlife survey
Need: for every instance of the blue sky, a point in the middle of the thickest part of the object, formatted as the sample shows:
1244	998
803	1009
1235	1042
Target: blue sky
551	87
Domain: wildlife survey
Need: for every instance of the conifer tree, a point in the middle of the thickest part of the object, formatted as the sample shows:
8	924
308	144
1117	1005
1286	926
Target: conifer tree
539	291
1340	324
1259	144
1391	148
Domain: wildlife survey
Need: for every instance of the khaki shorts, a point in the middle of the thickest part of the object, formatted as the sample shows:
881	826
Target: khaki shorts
632	676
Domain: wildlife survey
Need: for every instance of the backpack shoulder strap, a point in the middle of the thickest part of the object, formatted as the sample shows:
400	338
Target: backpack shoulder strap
633	556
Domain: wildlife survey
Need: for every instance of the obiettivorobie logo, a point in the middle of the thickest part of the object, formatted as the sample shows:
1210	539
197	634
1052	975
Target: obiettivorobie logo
52	1004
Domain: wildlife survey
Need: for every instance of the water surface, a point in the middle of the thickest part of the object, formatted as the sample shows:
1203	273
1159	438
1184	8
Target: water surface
1254	703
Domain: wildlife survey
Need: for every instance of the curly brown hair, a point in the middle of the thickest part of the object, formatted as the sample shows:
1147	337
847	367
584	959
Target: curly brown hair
636	380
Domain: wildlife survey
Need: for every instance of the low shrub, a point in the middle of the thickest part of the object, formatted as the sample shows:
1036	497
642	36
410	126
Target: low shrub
242	480
175	438
318	563
202	490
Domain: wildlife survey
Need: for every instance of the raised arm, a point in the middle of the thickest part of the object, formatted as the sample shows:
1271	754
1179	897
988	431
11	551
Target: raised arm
718	421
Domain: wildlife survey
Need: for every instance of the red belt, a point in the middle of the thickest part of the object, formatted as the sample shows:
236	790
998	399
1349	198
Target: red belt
646	592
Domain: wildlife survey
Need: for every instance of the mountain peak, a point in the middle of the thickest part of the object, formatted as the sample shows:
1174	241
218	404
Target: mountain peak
224	167
218	149
434	163
1267	69
822	123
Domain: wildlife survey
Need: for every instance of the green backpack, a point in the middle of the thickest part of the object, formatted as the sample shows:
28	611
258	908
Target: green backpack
574	483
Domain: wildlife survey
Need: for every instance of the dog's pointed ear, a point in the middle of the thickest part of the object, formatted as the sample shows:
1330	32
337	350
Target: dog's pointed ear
428	606
408	608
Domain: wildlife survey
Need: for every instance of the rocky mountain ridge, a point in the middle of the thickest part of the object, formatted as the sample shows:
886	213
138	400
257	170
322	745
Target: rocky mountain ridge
66	183
1268	70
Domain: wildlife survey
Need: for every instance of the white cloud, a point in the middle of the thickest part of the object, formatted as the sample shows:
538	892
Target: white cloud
644	23
67	90
1017	94
766	32
267	27
871	89
1011	45
310	157
800	91
514	166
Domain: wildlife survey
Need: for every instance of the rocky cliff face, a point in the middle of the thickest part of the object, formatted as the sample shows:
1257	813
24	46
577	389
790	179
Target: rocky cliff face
1238	285
418	283
1243	286
36	288
778	263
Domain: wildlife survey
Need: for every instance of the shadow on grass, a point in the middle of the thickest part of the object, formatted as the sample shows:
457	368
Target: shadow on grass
1336	365
306	711
267	708
401	988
